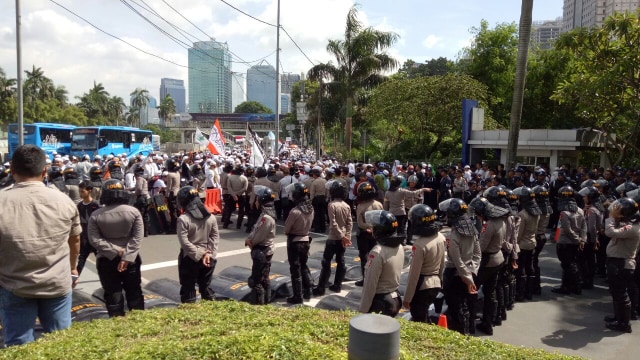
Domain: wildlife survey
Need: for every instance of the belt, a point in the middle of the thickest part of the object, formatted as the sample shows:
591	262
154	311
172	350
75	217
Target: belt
490	253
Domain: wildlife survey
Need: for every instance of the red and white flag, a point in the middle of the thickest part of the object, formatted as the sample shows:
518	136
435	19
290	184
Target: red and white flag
216	140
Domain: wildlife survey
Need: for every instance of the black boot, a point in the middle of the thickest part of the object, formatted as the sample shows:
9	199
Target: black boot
115	310
622	316
521	286
267	293
188	297
339	278
512	293
530	289
257	296
322	280
296	285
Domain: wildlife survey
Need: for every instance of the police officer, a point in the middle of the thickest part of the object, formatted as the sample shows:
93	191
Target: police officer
529	216
198	236
229	203
542	199
384	266
116	232
56	179
297	227
237	185
95	180
492	238
427	262
573	236
594	215
461	266
318	196
173	186
511	250
115	169
142	198
249	199
623	228
260	241
6	179
339	238
199	180
72	181
365	240
260	179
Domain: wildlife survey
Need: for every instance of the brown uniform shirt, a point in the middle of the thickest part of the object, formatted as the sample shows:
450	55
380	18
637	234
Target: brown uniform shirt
394	200
141	188
527	230
116	227
340	222
318	188
299	222
264	232
198	237
463	254
382	273
574	227
362	208
173	183
428	259
492	237
237	185
624	241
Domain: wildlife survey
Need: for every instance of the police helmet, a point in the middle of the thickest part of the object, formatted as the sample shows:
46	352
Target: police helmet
628	207
384	223
186	195
366	191
138	170
423	220
591	193
413	179
297	191
113	192
228	167
248	170
264	194
566	193
113	165
4	172
540	192
625	187
454	207
634	194
497	195
172	165
337	190
525	194
55	172
70	173
589	182
261	172
196	169
512	198
395	182
237	170
95	172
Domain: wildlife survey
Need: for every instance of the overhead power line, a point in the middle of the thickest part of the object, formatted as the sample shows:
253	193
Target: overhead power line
251	16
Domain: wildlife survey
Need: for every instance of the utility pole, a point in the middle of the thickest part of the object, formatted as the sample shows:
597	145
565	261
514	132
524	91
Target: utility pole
319	130
277	82
19	77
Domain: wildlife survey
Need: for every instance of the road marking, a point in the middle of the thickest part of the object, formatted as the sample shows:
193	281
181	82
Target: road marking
171	263
560	280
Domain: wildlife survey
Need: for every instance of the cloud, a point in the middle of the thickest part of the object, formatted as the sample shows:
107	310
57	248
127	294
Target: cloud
431	41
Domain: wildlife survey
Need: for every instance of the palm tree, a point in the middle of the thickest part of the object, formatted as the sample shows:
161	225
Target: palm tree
167	108
99	97
132	117
37	86
7	86
360	61
116	107
139	101
60	93
521	72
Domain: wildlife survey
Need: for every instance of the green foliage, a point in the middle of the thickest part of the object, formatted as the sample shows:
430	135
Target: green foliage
167	108
440	66
421	117
234	330
252	107
166	134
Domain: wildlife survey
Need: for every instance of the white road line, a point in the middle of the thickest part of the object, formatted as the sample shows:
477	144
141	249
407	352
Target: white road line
556	279
171	263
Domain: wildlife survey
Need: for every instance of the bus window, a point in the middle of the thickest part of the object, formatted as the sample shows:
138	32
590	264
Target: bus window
84	139
27	129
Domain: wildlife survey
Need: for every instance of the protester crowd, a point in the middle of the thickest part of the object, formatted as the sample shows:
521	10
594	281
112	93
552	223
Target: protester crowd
498	220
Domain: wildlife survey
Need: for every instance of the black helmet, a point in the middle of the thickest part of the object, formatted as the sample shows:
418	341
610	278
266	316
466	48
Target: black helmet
497	195
264	194
70	173
540	192
261	172
512	198
95	172
566	192
4	172
228	167
196	169
173	165
628	207
138	170
487	210
525	194
248	170
625	187
395	182
237	170
423	220
384	223
113	165
366	191
413	179
634	194
454	207
589	182
591	193
54	172
186	194
113	192
337	190
297	191
190	202
566	199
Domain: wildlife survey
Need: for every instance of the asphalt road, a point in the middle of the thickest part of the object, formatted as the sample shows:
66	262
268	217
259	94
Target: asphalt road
571	325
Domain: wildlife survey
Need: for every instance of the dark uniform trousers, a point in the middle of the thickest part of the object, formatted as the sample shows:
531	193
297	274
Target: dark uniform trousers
190	273
253	214
113	282
421	301
587	264
541	240
525	275
320	213
174	212
227	209
331	248
142	204
259	280
488	279
242	205
297	256
622	287
85	249
386	304
458	300
365	242
568	256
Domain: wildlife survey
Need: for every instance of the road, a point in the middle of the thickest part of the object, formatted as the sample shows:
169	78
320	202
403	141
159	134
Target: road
571	325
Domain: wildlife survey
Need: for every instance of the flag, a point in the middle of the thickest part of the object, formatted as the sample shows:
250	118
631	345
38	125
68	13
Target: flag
202	140
216	141
257	153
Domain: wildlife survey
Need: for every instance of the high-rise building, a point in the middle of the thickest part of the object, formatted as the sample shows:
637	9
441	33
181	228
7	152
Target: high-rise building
209	77
175	89
261	85
148	113
287	81
543	33
285	103
238	85
591	13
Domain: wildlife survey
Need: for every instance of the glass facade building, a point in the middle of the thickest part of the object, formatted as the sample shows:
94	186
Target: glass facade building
175	89
261	85
209	77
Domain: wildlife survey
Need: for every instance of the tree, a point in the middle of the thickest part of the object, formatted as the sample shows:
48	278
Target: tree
491	59
115	108
518	86
167	108
421	117
95	103
252	107
37	86
360	61
139	101
8	103
440	66
604	85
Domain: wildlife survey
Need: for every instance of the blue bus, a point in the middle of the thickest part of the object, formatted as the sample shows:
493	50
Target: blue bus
49	137
116	140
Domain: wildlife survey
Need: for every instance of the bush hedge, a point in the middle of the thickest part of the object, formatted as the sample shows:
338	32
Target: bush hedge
235	330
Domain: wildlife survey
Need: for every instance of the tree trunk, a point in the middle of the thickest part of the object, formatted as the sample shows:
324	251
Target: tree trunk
348	125
524	35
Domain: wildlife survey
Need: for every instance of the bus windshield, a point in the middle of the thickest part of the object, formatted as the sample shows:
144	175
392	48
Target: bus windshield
84	139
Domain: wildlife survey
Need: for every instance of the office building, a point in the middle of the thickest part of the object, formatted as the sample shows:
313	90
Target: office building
238	92
261	85
210	77
175	89
287	81
285	103
543	33
592	13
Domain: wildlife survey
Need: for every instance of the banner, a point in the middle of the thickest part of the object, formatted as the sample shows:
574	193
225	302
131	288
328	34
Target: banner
216	140
202	140
257	153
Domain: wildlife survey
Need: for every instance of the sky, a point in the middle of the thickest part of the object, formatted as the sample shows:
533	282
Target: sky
74	53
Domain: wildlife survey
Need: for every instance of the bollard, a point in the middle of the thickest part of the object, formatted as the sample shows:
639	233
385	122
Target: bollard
374	337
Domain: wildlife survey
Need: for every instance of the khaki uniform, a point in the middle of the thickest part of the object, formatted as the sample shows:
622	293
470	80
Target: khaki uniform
237	185
317	188
493	236
362	208
173	183
527	230
463	254
116	227
428	262
264	232
196	237
382	276
340	222
574	227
